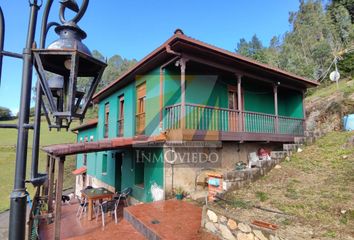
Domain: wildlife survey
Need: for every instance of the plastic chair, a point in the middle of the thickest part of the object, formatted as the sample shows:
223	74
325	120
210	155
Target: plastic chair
83	204
106	207
123	195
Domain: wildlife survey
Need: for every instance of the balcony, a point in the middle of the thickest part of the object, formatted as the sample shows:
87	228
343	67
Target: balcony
206	122
120	127
140	123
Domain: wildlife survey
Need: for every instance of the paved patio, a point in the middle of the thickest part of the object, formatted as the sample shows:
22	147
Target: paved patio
170	219
74	228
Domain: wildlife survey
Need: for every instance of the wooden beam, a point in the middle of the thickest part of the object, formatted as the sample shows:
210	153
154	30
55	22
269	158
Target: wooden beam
51	183
45	186
236	71
59	191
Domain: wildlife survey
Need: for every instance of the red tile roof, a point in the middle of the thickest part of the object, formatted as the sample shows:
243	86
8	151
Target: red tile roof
101	145
89	124
202	47
80	170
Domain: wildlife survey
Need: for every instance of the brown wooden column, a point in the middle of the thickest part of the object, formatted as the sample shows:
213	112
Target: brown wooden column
303	111
51	183
45	186
59	190
275	90
239	103
182	63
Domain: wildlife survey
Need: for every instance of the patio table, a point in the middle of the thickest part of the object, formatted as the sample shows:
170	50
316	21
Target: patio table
95	194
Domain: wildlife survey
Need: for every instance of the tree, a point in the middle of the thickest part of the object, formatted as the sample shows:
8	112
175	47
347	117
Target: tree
253	49
316	36
116	66
5	113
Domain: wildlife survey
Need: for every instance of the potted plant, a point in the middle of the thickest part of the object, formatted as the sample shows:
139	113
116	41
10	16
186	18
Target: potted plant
44	208
179	193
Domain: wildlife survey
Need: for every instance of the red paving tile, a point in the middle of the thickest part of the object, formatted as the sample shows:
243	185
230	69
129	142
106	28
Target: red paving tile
177	219
74	228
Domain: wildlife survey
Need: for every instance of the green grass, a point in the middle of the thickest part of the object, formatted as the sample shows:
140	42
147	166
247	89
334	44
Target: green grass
316	187
328	89
8	155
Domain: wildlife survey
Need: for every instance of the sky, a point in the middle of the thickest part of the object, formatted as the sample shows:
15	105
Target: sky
134	28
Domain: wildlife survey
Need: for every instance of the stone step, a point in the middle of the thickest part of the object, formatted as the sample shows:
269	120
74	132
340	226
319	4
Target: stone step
140	226
278	154
309	133
299	140
290	147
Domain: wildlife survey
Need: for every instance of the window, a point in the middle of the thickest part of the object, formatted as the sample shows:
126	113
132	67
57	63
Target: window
106	120
140	115
104	164
139	170
121	116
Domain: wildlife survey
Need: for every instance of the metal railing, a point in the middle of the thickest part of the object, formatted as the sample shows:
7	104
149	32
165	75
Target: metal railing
208	118
140	123
120	127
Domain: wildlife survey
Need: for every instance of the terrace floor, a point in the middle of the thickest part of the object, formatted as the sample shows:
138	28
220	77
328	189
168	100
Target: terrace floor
170	219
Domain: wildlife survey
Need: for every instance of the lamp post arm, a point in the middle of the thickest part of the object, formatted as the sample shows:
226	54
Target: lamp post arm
2	36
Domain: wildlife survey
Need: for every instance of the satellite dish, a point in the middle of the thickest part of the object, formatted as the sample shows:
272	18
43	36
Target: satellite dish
334	76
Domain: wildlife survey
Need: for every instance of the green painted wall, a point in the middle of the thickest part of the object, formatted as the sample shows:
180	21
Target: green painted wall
152	104
208	90
91	157
258	98
290	103
153	172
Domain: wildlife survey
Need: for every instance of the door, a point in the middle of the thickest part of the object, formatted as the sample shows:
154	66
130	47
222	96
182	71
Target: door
118	171
232	105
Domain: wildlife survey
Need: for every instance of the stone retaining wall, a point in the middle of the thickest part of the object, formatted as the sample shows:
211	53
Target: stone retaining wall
239	178
228	227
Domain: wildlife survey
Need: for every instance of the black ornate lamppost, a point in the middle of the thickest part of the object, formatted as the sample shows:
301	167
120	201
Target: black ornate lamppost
59	68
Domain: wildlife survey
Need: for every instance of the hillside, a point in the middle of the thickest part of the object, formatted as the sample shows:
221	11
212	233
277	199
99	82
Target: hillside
8	155
327	105
314	188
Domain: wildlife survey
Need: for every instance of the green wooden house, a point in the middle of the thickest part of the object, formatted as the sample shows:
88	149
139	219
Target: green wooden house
187	91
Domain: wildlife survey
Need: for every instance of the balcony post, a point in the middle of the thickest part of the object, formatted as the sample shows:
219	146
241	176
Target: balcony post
239	102
304	112
50	180
275	90
59	190
182	63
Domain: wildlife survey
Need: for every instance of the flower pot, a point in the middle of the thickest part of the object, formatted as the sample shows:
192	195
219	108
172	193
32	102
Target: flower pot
179	196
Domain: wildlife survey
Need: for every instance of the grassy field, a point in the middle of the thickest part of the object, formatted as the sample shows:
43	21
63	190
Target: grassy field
315	188
8	155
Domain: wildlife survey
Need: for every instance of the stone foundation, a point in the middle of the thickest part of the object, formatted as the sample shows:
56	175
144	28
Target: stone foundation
237	179
229	227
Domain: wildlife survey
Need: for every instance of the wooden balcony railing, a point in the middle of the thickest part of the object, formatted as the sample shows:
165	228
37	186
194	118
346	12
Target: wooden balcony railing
140	123
207	118
120	127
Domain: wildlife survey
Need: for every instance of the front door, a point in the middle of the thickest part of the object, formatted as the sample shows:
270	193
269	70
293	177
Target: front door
118	180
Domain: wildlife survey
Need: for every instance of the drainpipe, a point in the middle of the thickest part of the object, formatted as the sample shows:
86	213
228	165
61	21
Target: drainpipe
161	87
